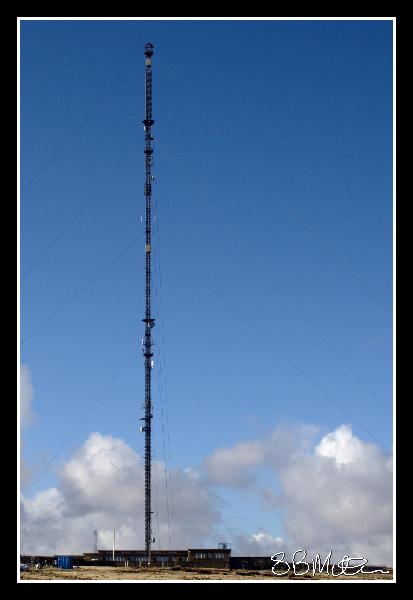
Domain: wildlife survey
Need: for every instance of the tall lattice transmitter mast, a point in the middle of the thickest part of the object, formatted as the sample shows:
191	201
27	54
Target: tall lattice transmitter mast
148	320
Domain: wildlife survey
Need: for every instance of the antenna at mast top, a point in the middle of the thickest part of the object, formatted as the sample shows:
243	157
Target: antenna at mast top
148	49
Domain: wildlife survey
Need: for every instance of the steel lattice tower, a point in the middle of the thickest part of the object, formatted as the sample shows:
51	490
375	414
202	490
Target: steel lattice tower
148	320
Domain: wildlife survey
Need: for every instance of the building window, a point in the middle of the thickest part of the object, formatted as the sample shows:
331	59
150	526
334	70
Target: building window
162	558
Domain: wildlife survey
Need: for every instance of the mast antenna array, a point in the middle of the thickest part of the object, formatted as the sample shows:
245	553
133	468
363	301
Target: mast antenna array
148	320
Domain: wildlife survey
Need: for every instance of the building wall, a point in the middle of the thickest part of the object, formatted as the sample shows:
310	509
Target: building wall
212	557
251	562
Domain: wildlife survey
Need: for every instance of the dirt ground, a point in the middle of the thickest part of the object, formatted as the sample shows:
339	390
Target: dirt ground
178	574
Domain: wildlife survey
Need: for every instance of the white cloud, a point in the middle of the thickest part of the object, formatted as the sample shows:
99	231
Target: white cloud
228	466
26	396
231	466
257	544
102	485
340	445
340	497
335	495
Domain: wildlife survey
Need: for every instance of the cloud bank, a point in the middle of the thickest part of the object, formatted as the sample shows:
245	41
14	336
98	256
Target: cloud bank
336	495
102	485
333	495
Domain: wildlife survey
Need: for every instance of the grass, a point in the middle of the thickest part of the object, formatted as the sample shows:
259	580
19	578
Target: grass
180	574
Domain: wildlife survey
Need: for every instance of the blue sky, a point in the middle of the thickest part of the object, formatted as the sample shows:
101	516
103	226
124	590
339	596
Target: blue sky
273	239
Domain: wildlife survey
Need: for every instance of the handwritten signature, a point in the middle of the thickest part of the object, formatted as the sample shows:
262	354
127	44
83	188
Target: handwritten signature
301	567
